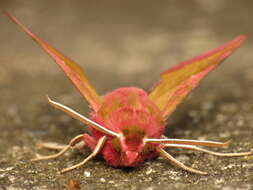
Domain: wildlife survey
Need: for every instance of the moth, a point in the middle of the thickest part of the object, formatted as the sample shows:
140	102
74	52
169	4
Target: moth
126	125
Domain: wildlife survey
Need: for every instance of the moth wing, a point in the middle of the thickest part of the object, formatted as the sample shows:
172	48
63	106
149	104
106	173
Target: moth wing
178	81
71	69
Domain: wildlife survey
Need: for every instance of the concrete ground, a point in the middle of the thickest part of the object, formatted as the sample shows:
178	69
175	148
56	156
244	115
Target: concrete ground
124	43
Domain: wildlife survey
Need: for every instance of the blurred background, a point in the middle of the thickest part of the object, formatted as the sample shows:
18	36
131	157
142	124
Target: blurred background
122	43
130	41
118	43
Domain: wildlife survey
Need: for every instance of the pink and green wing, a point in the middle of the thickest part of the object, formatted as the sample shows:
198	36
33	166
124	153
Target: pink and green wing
178	81
72	69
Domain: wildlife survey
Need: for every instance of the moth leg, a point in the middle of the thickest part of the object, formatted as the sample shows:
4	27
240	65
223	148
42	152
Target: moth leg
52	146
65	149
166	155
190	147
55	146
98	147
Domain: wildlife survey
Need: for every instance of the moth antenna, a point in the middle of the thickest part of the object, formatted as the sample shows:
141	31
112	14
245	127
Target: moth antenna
166	155
190	147
81	118
98	147
187	142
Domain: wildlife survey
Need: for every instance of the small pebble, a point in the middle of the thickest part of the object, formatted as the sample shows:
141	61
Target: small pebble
149	171
102	179
9	169
87	174
12	178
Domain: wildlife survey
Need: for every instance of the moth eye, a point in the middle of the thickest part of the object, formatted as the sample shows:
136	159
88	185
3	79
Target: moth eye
133	132
148	148
116	144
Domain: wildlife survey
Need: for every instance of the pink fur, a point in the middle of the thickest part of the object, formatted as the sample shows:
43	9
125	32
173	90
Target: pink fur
131	113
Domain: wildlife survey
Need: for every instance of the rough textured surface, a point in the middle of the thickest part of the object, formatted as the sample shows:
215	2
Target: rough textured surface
124	44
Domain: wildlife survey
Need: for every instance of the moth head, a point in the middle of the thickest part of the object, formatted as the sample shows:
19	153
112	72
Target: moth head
130	144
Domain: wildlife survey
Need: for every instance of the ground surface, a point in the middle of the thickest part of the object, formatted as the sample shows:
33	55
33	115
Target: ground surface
124	44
